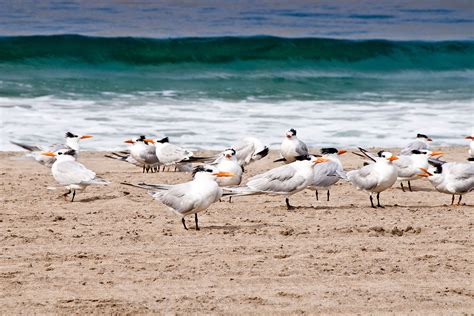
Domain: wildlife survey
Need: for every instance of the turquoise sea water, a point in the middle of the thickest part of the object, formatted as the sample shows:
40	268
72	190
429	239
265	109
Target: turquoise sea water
208	91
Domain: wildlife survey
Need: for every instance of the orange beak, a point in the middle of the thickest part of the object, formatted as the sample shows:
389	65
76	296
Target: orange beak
425	174
49	153
341	152
393	158
129	141
223	174
320	160
147	140
469	137
228	156
85	136
437	153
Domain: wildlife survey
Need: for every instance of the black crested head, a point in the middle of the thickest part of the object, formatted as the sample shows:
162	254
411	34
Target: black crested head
70	135
303	157
421	136
164	140
416	152
439	169
233	151
380	153
293	131
470	159
141	138
327	151
201	168
70	152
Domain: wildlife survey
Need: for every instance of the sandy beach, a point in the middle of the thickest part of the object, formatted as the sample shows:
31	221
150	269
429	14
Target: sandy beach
115	250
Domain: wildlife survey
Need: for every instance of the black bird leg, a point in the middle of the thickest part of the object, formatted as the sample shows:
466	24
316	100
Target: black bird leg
288	206
73	195
230	199
184	223
317	198
196	220
143	169
164	168
409	186
371	201
452	200
403	188
328	195
378	201
66	194
459	201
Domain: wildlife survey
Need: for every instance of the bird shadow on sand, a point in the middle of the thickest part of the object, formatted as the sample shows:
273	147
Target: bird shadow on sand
234	227
95	198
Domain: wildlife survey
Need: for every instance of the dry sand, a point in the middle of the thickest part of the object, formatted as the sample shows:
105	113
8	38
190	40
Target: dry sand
115	250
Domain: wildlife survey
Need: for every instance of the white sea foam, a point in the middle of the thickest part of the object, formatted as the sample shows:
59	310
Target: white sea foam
215	124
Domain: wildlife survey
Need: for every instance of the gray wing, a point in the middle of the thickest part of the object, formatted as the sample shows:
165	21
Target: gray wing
460	175
404	165
173	153
149	156
416	145
72	172
301	148
363	178
178	198
281	180
244	151
325	174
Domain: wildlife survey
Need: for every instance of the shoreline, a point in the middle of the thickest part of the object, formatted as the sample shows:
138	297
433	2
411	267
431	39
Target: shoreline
115	250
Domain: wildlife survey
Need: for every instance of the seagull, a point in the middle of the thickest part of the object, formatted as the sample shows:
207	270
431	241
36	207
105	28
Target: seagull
285	180
250	149
72	142
409	165
471	145
170	154
70	173
375	177
292	147
325	174
421	142
455	178
228	162
142	153
190	197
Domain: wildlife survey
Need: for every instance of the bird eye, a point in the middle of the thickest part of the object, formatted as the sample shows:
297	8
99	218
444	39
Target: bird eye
60	153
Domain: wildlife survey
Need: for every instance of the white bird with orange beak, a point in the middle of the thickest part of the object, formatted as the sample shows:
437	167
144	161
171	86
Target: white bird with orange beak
375	177
325	174
71	142
228	162
455	178
144	152
409	165
284	180
171	155
422	142
292	148
190	197
471	144
70	173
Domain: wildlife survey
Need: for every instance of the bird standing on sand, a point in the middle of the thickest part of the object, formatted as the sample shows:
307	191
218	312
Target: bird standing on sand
292	147
471	144
325	175
71	142
421	142
409	165
190	197
143	153
375	177
72	174
455	178
170	155
250	149
227	162
284	180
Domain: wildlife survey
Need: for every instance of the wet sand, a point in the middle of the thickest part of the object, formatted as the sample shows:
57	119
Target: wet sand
115	250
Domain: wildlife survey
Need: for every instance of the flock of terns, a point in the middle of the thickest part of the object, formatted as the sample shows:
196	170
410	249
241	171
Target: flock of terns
221	175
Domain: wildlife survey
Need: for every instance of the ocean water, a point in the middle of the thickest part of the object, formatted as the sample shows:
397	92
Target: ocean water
345	74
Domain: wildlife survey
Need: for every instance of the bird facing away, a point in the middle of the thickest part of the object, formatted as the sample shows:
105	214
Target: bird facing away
170	154
455	178
292	147
72	174
35	151
422	142
375	177
250	149
325	174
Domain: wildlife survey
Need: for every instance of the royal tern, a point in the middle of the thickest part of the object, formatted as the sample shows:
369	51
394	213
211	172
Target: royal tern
325	173
455	178
190	197
421	142
143	153
292	147
70	173
284	180
227	162
71	142
250	149
375	177
171	155
471	145
409	165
